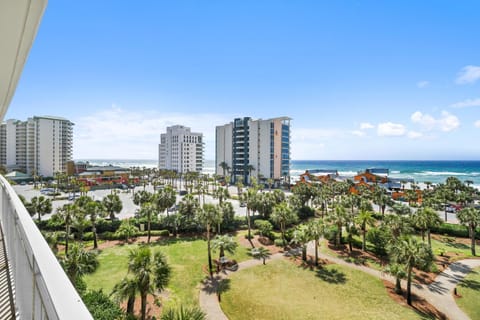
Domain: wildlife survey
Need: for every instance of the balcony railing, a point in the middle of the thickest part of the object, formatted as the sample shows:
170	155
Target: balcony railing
42	289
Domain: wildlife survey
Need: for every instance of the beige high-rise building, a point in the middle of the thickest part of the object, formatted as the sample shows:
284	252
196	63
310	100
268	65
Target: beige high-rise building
40	145
254	148
181	150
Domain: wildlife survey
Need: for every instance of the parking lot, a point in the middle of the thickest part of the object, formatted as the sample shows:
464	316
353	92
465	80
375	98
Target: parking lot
126	196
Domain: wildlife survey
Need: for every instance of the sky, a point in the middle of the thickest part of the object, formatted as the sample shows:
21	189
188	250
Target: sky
362	80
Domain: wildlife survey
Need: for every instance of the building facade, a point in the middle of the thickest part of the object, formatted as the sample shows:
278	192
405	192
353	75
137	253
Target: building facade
181	150
39	146
248	148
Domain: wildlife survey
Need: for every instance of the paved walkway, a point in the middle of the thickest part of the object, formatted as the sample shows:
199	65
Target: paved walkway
208	298
439	293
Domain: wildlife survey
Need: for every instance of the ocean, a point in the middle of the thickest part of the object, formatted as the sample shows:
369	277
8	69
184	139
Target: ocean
419	171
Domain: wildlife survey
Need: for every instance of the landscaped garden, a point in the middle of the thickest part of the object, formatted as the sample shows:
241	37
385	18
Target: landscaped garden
283	290
469	291
186	256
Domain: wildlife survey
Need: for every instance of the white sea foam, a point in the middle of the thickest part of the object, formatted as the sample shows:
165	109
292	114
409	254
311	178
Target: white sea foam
447	173
394	172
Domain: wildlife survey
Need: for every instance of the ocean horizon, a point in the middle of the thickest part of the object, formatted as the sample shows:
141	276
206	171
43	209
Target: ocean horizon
434	171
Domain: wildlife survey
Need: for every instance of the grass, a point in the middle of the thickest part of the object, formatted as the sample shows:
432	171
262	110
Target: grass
282	290
186	257
469	289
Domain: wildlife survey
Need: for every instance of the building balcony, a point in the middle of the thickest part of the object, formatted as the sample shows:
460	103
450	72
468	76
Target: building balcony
39	288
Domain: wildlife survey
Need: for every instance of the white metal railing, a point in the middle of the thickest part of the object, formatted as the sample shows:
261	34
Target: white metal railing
42	289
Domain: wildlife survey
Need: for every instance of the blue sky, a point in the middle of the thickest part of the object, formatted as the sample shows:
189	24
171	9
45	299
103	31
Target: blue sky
361	79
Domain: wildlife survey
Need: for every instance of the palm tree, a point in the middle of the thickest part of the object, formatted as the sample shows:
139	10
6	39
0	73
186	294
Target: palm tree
399	273
249	198
283	215
126	289
142	197
221	194
183	313
224	167
316	230
425	219
409	253
364	219
39	205
301	237
208	216
224	243
126	229
94	210
338	217
166	198
250	168
470	217
149	274
148	210
260	253
79	262
112	204
398	225
66	215
188	206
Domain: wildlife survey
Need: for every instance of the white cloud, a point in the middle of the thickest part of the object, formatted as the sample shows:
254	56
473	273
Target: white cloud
468	74
447	121
477	123
467	103
389	129
122	134
426	120
366	125
359	133
423	84
414	134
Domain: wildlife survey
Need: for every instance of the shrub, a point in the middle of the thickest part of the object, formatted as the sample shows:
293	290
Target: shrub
155	233
107	225
331	234
265	227
278	242
306	212
88	236
454	230
379	238
108	235
101	307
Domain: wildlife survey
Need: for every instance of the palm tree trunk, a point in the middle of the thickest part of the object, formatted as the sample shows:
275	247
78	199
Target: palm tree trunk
423	235
339	234
209	252
472	237
364	233
249	227
316	252
148	229
130	304
94	231
409	286
282	227
398	286
144	306
304	252
66	240
429	238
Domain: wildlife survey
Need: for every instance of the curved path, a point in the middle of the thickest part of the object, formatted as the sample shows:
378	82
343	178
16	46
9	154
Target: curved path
439	293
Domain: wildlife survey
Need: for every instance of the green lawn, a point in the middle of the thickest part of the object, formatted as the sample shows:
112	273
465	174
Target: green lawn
282	290
186	257
469	289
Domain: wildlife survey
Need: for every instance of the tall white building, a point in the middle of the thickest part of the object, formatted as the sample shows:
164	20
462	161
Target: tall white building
181	150
254	148
40	145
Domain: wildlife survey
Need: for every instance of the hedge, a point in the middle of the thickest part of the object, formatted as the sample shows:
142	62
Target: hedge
454	230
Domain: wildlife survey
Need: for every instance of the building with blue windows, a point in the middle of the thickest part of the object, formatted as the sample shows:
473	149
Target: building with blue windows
247	148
